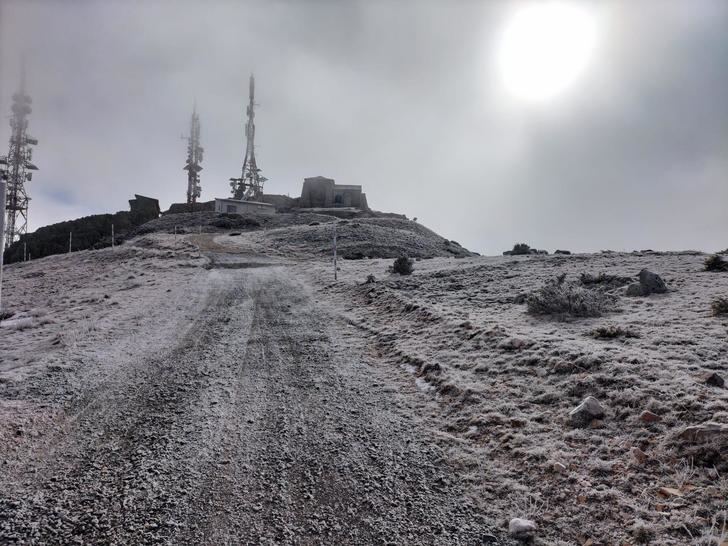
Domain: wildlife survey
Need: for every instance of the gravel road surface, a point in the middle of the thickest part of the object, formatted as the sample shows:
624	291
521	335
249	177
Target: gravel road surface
263	424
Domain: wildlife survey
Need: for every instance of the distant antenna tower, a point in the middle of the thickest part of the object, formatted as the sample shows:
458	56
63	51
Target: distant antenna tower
194	158
16	166
250	184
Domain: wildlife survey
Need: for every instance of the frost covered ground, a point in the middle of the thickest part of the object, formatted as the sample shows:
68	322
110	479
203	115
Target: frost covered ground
505	382
214	387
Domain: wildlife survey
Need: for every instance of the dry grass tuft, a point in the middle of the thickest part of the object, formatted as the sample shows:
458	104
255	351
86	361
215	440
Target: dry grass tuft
612	331
716	263
403	266
558	298
720	306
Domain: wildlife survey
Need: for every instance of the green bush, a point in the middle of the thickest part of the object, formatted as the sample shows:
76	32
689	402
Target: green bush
403	266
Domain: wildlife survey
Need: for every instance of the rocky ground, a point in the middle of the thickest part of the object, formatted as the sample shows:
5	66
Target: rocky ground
223	388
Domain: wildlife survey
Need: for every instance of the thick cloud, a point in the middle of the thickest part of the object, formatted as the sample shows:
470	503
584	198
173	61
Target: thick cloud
401	97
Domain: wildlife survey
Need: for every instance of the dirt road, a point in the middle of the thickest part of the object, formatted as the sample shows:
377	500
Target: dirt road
264	424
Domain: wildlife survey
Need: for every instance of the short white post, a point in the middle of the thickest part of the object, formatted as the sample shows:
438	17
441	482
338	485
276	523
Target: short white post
335	268
2	236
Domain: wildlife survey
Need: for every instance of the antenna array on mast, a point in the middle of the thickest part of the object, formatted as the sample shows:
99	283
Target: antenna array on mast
16	167
194	158
250	184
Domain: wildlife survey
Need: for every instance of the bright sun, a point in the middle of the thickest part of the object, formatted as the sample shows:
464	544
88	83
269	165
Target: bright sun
544	48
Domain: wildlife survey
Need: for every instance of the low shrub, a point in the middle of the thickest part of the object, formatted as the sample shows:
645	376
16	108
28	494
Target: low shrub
520	248
612	331
403	266
603	280
224	223
370	279
716	263
720	306
559	298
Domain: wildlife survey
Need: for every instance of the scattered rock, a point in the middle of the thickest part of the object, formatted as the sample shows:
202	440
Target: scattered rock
583	414
650	283
522	528
713	379
634	290
669	492
648	417
639	455
698	433
514	344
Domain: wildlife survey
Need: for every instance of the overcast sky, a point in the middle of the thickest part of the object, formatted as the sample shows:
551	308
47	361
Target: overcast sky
404	98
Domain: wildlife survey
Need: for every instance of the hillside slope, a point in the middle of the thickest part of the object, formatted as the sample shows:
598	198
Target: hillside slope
310	235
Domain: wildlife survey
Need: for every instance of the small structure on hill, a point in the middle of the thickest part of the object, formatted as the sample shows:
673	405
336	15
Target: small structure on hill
142	209
238	206
322	192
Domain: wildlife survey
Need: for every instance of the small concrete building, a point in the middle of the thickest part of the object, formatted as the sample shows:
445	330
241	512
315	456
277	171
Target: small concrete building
236	206
322	192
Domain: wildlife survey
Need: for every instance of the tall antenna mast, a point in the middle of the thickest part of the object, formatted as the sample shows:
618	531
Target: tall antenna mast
194	158
250	184
16	166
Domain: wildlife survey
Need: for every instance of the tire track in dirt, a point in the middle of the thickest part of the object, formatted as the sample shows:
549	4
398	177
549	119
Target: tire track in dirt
261	426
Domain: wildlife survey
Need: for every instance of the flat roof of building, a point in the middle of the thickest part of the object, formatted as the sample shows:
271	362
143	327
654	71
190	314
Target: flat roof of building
231	200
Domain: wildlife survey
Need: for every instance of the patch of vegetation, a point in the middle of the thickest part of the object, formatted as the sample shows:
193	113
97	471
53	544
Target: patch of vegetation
720	306
229	221
612	331
716	263
370	279
603	280
520	249
403	266
559	298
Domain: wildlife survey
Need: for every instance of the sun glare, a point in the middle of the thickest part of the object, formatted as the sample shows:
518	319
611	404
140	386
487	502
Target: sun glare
544	48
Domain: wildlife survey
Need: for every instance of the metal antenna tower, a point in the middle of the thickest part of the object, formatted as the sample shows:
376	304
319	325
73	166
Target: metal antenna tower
250	184
16	166
194	158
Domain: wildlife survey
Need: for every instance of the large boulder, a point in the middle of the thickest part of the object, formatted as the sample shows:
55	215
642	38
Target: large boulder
650	283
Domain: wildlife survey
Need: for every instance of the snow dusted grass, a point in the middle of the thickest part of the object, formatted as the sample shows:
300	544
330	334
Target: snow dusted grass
504	382
22	323
79	311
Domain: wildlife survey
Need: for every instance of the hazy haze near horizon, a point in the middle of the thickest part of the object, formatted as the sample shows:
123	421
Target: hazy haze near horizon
402	97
